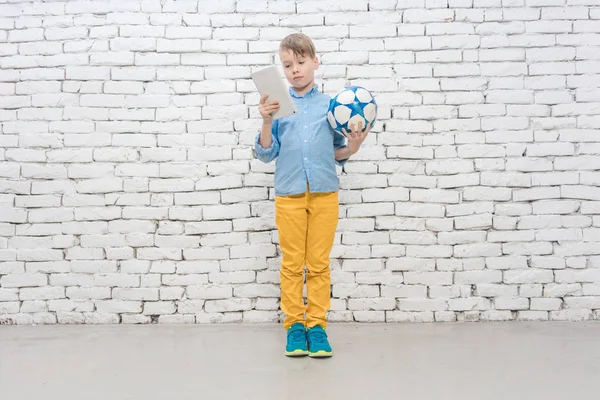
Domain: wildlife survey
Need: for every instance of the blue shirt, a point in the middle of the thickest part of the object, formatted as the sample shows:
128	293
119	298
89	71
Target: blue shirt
304	145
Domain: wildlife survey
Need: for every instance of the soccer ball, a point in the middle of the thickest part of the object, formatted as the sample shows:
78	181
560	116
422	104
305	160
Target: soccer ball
351	105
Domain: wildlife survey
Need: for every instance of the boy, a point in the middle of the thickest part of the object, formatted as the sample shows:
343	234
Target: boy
306	194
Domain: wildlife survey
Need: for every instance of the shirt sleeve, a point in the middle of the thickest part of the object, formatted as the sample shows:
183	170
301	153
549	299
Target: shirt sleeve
269	154
339	141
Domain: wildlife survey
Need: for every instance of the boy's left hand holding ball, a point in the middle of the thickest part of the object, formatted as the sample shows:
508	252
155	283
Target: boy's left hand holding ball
356	136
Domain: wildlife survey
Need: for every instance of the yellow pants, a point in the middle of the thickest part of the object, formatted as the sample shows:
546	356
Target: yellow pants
306	224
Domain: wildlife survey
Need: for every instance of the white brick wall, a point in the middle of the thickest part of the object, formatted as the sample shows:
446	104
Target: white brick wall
129	192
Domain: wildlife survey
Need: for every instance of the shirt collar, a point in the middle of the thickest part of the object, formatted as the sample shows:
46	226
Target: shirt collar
312	91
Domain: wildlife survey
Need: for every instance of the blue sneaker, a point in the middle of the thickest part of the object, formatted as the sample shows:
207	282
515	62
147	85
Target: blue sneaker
317	343
296	341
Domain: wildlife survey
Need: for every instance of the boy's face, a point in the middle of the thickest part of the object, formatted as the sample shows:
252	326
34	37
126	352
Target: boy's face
299	70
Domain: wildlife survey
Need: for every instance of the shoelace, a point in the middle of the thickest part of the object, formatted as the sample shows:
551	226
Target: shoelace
318	337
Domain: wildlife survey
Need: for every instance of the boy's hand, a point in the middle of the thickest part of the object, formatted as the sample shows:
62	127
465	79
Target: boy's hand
267	108
356	136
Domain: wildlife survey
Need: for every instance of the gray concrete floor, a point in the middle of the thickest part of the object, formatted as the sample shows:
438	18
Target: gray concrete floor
463	361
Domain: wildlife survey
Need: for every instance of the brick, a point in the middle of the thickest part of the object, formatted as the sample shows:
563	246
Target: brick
571	315
546	54
118	306
428	251
416	15
468	304
478	277
532	315
434	196
159	307
403	316
23	280
587	302
256	290
355	291
545	26
546	68
422	304
495	290
229	305
136	44
65	33
511	303
455	42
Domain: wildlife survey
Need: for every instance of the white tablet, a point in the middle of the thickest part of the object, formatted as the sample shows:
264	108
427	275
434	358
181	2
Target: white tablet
269	81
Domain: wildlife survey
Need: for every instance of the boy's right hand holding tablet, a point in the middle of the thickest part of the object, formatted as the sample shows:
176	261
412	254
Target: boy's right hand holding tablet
266	109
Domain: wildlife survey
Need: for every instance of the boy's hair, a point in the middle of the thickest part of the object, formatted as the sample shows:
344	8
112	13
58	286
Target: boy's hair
300	44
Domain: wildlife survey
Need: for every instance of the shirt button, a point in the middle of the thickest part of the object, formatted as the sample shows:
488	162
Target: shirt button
305	141
305	158
305	126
